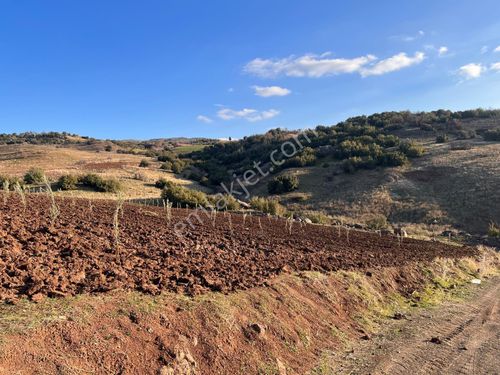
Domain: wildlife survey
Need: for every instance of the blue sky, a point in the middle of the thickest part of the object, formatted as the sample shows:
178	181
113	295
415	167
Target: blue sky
151	68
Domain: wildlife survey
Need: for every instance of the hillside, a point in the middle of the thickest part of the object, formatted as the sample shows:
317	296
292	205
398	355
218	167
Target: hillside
429	171
95	281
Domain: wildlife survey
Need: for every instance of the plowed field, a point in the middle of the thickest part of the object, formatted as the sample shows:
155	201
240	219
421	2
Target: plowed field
78	253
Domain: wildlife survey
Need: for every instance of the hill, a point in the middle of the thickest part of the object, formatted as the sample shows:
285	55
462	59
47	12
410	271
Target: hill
428	171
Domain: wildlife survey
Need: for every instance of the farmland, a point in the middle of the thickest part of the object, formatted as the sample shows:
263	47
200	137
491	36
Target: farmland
79	252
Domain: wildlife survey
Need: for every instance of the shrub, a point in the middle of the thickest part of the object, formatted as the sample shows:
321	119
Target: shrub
306	157
178	194
492	135
283	184
166	166
11	181
351	165
111	185
466	134
98	183
411	149
161	183
108	148
68	182
317	217
442	138
144	163
269	206
494	230
34	176
377	222
230	202
394	159
178	167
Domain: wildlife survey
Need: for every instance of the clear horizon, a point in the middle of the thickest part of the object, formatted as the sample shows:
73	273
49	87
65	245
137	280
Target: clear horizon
130	70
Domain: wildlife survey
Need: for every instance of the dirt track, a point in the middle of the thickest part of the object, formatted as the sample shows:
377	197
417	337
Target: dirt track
77	255
466	339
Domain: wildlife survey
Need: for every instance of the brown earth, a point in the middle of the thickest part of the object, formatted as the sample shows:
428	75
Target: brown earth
291	326
78	254
460	337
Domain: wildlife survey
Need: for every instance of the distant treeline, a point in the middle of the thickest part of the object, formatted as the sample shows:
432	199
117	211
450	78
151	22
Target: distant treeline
42	138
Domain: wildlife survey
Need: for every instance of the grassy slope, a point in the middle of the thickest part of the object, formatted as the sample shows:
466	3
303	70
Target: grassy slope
457	187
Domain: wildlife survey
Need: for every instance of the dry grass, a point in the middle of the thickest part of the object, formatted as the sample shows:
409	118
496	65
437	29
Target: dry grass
57	161
455	188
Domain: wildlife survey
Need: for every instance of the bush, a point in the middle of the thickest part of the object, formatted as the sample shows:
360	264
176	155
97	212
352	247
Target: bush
68	182
492	135
377	222
11	180
466	134
442	138
411	149
230	202
283	184
306	157
34	176
317	217
110	186
269	206
98	183
178	194
144	163
178	167
494	230
394	159
167	166
161	183
351	165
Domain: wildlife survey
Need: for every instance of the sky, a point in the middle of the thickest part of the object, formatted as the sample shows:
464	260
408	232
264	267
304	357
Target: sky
229	68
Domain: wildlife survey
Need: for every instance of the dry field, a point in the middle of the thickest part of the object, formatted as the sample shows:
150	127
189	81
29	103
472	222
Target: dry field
138	182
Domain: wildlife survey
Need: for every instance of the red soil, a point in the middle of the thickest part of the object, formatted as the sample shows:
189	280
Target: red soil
78	255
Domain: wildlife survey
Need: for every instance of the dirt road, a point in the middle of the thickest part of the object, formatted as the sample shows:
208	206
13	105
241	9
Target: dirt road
456	338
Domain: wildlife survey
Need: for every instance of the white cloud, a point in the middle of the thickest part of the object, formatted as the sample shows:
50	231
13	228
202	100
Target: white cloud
484	49
442	50
394	63
497	49
471	71
251	115
317	66
268	91
495	66
205	119
306	66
